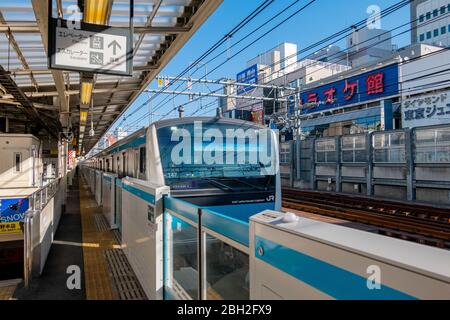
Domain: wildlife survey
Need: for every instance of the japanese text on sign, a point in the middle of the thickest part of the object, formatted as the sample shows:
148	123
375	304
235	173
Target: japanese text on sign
91	48
364	87
250	76
426	110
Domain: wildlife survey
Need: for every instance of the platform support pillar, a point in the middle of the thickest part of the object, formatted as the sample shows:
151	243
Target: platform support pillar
313	164
298	143
338	164
62	156
291	162
410	190
369	173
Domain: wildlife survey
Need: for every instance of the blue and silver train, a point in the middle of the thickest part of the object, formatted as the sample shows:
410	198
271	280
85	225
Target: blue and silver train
197	202
209	162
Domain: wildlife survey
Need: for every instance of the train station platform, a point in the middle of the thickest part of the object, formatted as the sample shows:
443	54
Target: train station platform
83	240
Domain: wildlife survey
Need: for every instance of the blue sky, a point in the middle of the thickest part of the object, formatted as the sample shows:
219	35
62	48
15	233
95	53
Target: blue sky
321	19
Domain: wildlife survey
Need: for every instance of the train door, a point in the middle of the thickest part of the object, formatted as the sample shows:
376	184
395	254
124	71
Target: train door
136	163
118	167
142	164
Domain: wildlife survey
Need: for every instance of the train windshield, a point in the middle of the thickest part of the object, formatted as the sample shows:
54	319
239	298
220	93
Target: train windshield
215	151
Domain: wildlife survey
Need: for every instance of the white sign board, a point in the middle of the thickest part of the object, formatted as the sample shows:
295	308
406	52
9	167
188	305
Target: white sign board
426	110
102	51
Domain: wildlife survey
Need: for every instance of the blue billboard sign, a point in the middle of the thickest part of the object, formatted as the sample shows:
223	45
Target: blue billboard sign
12	212
364	87
249	75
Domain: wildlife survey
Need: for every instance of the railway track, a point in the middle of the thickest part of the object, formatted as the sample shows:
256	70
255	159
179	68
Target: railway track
417	223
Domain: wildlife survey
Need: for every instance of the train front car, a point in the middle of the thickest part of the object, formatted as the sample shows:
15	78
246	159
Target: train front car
226	165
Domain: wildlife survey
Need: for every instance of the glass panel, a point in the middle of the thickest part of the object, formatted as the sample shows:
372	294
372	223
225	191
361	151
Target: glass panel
433	154
227	271
397	155
326	145
347	143
397	138
215	150
425	154
443	135
380	140
320	156
184	256
331	156
443	154
17	161
425	136
432	145
381	155
360	142
347	156
360	156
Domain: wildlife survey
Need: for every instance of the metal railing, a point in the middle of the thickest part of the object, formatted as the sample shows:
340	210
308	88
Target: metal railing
38	200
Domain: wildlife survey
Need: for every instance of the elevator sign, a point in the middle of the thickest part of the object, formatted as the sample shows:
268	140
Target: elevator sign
91	48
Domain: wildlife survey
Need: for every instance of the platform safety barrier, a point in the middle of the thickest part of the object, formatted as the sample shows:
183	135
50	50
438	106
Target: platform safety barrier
298	258
206	253
40	224
109	199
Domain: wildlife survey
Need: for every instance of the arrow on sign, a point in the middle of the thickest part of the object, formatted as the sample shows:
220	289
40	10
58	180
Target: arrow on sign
114	44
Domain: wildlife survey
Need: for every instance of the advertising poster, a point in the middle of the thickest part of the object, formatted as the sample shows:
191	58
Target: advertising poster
12	212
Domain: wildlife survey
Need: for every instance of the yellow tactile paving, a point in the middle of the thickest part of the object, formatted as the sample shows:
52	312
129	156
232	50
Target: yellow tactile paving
98	281
6	293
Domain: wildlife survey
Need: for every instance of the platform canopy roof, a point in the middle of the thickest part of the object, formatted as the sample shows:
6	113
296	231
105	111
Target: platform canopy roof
41	101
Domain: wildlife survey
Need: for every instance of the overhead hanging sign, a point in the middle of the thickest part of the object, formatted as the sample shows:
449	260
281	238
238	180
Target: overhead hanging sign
92	48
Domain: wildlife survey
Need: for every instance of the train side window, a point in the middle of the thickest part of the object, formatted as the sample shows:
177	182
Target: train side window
142	160
118	166
107	165
17	162
124	164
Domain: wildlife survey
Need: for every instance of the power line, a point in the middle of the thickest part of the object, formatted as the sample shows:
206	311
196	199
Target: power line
383	13
285	20
399	5
236	29
362	22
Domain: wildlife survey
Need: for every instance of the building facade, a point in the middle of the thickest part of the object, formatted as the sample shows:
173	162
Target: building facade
431	22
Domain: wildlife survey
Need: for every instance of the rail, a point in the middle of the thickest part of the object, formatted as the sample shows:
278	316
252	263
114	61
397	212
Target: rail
418	223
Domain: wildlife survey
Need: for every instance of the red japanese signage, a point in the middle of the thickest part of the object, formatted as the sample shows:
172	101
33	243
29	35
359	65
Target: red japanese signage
364	87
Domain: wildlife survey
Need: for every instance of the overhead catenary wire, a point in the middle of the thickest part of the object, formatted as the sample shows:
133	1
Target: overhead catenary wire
158	106
351	28
361	50
384	12
216	45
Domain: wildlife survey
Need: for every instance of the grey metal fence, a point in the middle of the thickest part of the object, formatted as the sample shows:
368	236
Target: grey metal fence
407	164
